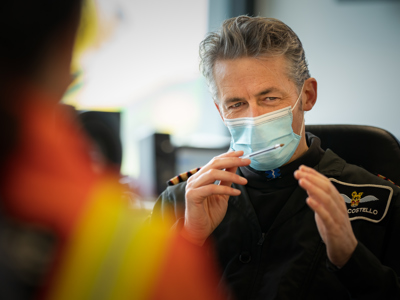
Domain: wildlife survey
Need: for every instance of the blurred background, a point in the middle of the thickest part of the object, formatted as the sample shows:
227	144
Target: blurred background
142	99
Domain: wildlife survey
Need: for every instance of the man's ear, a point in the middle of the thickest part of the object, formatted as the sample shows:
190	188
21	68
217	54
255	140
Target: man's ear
309	97
217	106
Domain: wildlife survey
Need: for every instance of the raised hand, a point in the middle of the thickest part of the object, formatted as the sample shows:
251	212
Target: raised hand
330	215
207	202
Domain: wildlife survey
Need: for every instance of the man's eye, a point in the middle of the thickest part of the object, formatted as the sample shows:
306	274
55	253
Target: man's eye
271	98
236	105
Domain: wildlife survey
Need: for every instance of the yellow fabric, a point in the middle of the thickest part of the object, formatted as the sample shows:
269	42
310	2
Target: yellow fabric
126	257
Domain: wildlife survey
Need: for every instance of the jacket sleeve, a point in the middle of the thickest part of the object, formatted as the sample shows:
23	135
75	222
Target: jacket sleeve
368	277
170	205
365	277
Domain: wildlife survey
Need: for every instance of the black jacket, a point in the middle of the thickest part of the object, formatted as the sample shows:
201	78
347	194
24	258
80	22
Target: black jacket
290	261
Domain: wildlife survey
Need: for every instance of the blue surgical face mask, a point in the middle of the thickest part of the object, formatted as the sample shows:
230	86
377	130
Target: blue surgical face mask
253	134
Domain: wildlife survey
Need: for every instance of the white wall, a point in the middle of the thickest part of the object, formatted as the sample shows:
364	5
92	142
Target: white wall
353	50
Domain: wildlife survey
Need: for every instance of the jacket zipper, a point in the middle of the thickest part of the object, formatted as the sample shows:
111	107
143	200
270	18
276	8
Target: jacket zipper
261	241
256	279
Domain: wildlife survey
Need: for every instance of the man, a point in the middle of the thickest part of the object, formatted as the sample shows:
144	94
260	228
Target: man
281	228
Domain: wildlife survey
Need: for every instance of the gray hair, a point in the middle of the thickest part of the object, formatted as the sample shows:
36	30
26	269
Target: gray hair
246	36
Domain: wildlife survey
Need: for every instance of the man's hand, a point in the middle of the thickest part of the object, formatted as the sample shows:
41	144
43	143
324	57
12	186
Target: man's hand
207	202
330	215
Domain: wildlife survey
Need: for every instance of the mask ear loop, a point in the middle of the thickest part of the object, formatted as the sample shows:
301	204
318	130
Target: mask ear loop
302	123
298	98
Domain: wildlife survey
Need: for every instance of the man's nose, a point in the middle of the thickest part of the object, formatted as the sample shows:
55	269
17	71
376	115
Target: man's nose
255	110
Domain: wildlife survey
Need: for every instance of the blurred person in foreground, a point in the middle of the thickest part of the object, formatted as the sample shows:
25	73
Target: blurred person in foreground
65	232
297	222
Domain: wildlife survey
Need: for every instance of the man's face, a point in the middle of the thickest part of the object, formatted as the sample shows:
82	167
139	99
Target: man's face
250	87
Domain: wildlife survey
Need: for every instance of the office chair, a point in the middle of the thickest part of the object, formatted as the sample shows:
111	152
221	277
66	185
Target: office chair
371	148
103	128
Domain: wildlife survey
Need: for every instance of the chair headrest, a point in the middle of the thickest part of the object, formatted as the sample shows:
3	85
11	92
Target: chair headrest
372	148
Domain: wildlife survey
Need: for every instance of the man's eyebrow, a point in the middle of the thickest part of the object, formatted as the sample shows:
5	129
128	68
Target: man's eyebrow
238	99
267	91
232	100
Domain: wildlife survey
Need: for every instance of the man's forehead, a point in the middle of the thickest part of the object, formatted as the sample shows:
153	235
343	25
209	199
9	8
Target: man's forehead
261	75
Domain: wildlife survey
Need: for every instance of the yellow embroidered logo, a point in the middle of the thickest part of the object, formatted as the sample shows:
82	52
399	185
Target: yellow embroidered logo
355	199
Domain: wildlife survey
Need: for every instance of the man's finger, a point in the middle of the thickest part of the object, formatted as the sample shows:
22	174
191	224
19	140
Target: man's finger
225	162
231	154
321	211
212	189
212	175
319	195
314	177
